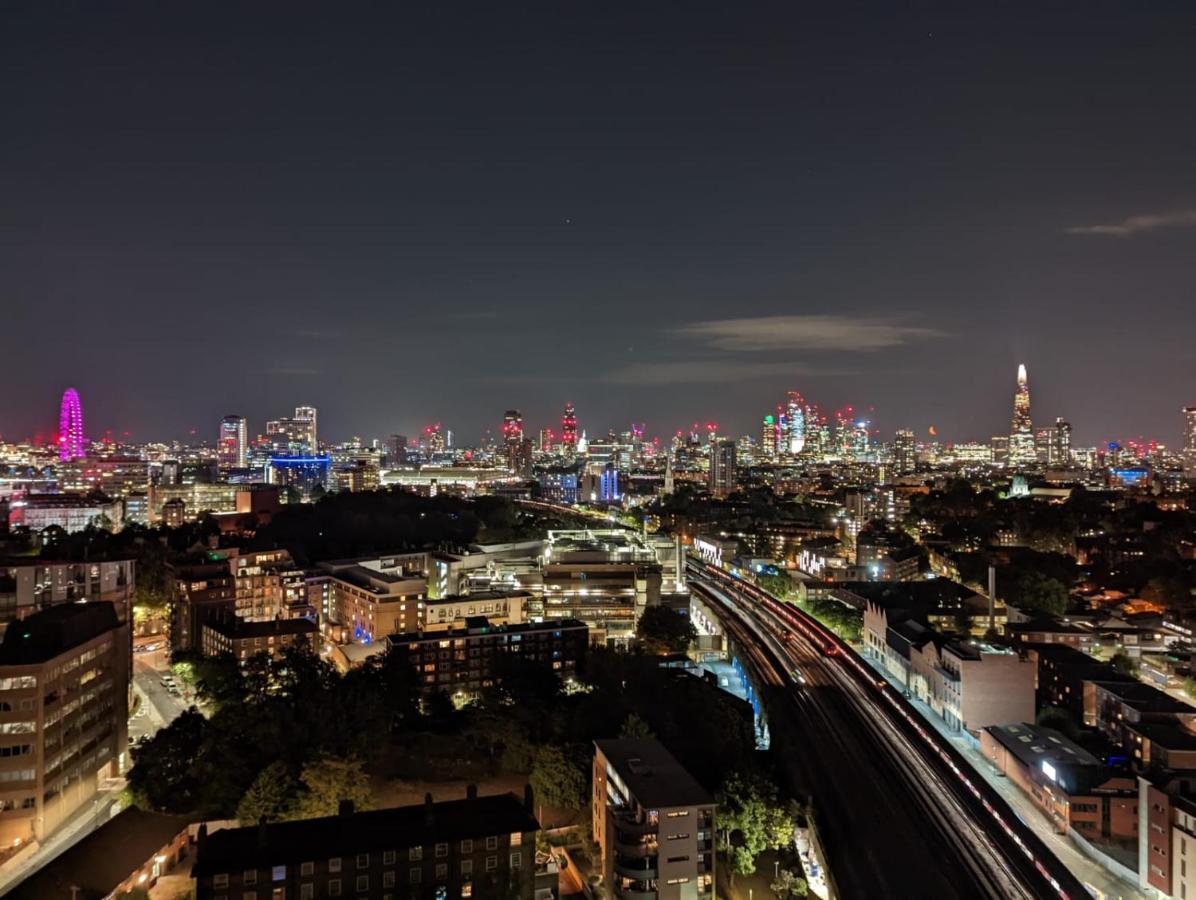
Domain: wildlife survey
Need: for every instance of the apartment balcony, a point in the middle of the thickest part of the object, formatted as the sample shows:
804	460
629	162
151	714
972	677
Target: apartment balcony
633	846
638	869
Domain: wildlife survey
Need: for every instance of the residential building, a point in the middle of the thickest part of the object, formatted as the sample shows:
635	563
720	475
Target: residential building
245	639
464	661
654	825
28	586
1072	787
64	686
69	511
198	593
970	684
723	467
132	851
374	597
479	847
498	607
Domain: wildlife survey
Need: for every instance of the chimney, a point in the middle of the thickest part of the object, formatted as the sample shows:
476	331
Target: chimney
992	596
429	810
345	808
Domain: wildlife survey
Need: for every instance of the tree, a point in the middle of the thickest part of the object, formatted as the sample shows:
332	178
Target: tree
789	884
1123	664
1059	719
1036	591
163	777
327	780
635	727
557	780
218	680
661	631
751	819
779	584
271	797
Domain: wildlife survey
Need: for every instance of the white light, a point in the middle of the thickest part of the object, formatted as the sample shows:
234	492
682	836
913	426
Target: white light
1049	771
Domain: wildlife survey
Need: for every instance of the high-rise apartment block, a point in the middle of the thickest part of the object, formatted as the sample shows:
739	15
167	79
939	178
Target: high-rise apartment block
723	468
64	683
232	447
652	822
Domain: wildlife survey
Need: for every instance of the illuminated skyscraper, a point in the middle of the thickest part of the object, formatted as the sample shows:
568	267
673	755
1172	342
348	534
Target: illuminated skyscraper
232	447
70	426
1021	431
305	420
569	429
768	438
905	459
795	424
1190	441
518	450
723	469
1059	445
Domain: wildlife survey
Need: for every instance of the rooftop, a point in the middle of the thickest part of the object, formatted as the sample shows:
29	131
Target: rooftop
652	774
235	849
238	628
1031	744
51	632
103	859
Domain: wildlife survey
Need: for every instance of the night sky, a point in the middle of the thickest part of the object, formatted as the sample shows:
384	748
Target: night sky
663	213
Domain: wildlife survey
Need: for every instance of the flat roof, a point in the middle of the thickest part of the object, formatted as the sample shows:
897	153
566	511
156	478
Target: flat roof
55	630
236	627
652	774
236	849
1031	744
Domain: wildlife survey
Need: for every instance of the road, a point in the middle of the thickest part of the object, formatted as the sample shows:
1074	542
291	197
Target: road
158	707
893	819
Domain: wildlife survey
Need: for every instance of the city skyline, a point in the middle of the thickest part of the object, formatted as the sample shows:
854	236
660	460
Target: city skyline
498	431
889	210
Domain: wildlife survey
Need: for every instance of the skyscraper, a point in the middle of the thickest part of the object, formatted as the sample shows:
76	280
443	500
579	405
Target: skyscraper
723	469
518	450
1059	444
1021	430
569	429
1190	441
70	426
305	421
795	422
905	458
232	446
768	438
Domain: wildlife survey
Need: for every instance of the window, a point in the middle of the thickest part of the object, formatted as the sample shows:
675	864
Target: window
307	891
415	876
306	868
415	853
334	887
278	873
334	864
677	859
466	868
220	881
441	850
388	879
678	881
516	838
442	870
516	860
363	883
467	890
467	846
249	876
363	860
492	842
388	857
491	863
248	895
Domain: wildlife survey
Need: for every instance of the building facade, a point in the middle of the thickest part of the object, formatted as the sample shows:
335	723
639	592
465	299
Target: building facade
653	824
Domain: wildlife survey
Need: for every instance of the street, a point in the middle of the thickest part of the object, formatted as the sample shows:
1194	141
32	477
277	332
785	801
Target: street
158	706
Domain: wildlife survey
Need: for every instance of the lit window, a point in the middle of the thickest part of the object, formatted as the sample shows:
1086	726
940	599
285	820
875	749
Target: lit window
516	838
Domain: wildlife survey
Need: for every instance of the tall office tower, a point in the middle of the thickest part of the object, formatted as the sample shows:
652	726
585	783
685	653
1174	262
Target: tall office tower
232	447
768	438
1042	444
722	467
569	428
70	426
305	427
512	437
795	420
1190	441
1000	449
1021	430
905	453
434	441
547	440
1059	444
